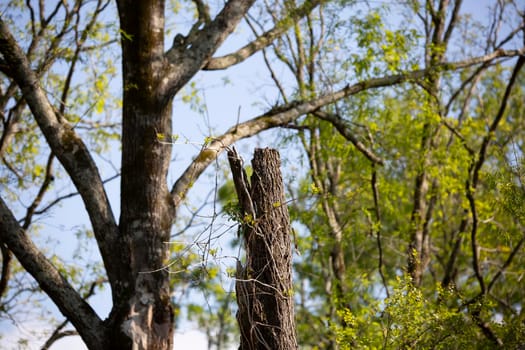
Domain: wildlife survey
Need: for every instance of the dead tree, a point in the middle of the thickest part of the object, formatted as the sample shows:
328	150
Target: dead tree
264	285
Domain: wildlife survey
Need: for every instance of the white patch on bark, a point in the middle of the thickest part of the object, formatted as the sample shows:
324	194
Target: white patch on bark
133	327
157	23
139	324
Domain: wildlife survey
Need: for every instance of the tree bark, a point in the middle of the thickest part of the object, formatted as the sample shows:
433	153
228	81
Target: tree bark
142	309
264	285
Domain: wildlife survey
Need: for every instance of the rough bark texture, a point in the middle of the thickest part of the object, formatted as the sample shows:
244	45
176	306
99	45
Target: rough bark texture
264	285
142	306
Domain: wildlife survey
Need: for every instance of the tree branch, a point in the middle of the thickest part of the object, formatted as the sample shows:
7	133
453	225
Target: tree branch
377	228
263	40
58	333
66	145
7	258
341	125
472	182
57	336
189	55
506	264
70	303
4	68
242	185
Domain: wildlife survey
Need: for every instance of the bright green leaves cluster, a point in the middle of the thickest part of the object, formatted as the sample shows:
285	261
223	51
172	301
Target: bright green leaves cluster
379	49
23	157
410	320
407	320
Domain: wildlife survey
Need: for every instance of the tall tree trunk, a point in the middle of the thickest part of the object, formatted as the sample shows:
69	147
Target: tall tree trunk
142	305
264	285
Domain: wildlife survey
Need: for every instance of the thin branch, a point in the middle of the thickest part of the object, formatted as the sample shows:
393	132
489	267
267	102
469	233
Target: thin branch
203	10
7	258
69	195
48	179
242	185
506	264
475	168
453	20
76	56
57	334
485	328
268	64
375	191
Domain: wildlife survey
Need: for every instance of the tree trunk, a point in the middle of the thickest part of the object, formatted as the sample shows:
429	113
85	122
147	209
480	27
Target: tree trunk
264	285
142	309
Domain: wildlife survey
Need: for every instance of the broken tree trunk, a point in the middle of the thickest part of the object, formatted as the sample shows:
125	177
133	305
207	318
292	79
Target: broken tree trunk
264	285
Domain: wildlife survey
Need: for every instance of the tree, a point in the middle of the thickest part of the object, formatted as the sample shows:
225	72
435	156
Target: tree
37	96
264	286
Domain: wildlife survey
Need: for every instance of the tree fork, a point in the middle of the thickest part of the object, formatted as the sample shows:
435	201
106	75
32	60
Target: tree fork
264	285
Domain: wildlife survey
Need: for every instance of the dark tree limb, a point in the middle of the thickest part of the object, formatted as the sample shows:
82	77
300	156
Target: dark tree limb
477	163
380	260
67	299
242	186
7	258
58	334
189	54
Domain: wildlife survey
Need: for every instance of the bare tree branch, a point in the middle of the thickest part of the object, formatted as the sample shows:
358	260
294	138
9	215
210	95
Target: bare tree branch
7	258
475	168
203	11
264	39
189	55
57	336
506	264
380	261
48	179
58	333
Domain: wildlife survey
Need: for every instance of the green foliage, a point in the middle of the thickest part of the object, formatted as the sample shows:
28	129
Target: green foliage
409	320
415	321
